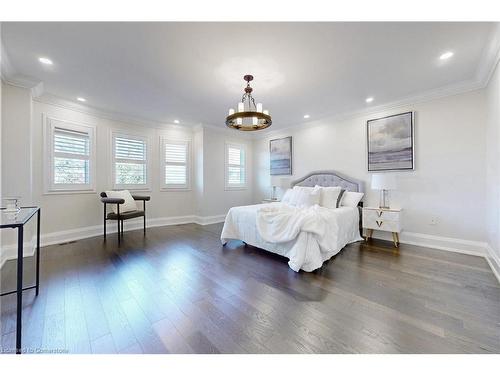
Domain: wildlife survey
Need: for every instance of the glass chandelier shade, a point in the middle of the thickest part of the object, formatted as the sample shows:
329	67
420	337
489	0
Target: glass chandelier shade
248	116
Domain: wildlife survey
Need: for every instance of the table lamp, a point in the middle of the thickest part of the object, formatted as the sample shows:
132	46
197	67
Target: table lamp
384	182
279	182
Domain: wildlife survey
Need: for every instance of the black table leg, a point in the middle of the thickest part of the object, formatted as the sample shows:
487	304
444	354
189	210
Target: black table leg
144	208
38	252
20	246
118	220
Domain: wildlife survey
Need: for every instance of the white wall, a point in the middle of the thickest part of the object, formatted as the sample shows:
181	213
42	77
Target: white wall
222	200
16	148
78	214
493	169
198	183
449	180
63	212
16	153
1	119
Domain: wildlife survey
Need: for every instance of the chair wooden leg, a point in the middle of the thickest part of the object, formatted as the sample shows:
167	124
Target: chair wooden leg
144	224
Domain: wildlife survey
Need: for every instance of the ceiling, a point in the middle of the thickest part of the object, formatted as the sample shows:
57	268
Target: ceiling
193	71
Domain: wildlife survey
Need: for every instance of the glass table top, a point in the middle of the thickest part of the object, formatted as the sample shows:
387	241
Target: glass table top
11	219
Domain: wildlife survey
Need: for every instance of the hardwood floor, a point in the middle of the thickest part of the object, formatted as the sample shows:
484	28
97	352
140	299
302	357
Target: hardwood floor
177	290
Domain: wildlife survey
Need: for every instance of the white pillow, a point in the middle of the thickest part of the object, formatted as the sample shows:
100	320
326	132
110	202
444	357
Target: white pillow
129	204
307	196
330	196
351	199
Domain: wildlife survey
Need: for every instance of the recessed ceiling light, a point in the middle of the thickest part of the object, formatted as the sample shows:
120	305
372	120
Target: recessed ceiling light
306	116
176	121
45	60
80	99
369	100
446	55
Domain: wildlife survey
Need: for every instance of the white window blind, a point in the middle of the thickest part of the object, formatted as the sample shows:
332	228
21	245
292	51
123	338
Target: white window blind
235	166
71	157
130	161
176	164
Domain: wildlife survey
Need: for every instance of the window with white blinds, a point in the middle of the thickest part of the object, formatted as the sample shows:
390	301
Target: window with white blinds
176	164
235	166
70	150
130	162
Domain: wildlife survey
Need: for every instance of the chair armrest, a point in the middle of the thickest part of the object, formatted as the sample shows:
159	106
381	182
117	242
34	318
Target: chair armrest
141	197
113	200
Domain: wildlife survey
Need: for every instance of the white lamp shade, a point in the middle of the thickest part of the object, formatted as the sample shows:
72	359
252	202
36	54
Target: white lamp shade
285	182
280	182
384	181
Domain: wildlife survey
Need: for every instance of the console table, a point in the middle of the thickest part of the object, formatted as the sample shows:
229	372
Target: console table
18	220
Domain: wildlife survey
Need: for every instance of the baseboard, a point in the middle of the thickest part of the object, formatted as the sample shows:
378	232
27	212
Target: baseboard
10	251
206	220
493	260
456	245
96	230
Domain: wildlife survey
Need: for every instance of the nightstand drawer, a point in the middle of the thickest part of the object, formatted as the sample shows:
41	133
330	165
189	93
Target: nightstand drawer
381	224
380	215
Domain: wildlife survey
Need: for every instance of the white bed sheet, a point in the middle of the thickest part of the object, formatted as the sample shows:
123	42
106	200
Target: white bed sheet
307	251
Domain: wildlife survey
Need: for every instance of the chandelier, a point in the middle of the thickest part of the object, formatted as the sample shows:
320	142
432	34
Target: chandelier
249	116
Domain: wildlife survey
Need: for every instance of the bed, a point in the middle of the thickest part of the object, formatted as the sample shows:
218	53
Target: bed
309	249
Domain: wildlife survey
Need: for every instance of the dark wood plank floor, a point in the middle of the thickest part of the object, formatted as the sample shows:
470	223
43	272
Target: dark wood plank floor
177	290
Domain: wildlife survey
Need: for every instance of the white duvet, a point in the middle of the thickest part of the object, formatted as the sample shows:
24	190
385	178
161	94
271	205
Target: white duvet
306	236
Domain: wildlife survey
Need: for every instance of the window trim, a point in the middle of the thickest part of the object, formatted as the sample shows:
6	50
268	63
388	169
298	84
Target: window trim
170	187
243	148
135	187
51	123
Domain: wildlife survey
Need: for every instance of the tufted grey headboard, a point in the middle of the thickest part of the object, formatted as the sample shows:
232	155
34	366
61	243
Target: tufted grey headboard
330	178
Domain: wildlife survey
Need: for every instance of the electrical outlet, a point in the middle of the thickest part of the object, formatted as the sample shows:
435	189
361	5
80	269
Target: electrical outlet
434	221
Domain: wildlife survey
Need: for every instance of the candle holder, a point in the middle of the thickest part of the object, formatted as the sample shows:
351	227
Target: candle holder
12	204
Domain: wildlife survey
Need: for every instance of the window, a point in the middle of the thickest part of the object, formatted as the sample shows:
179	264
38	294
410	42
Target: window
176	164
69	157
130	162
235	167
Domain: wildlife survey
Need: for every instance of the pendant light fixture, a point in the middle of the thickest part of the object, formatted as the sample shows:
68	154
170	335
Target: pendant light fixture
248	116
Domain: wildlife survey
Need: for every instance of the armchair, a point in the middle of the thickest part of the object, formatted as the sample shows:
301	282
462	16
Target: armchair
119	217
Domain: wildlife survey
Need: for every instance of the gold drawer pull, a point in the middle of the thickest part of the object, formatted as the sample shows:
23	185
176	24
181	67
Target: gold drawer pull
379	223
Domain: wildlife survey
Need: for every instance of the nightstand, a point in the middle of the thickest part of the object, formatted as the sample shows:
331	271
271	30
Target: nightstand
270	200
384	219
